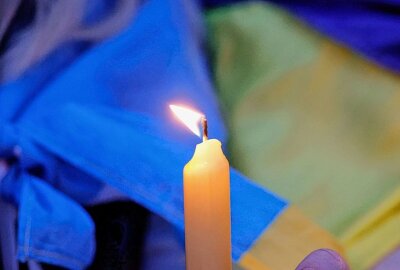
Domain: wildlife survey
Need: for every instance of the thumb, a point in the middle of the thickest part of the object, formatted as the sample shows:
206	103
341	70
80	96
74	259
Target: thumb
323	259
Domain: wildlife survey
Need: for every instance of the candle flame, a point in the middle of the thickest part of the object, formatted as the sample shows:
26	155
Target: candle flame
189	117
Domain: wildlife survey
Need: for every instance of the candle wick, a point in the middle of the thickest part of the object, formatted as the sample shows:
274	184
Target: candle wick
205	128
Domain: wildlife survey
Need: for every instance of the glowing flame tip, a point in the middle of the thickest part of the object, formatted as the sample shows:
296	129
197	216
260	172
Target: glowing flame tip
189	117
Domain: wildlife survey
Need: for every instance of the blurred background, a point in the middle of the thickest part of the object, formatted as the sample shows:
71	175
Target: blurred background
304	95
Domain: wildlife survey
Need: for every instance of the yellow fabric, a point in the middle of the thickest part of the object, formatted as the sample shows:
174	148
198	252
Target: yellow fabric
375	235
312	121
287	242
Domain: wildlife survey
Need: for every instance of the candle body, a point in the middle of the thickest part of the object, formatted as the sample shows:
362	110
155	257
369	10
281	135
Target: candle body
207	209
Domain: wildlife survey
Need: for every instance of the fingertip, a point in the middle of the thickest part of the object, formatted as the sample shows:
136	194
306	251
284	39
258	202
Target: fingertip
323	259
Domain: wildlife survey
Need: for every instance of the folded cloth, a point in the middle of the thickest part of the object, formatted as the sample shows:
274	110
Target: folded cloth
367	27
95	117
312	121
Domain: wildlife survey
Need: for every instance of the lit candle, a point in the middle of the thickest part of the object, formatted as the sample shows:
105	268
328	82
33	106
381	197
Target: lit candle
206	200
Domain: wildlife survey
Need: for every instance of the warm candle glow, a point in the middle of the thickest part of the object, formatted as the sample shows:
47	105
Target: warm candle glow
206	193
189	117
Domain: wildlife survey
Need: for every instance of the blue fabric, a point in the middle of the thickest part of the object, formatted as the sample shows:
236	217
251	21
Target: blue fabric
8	241
369	27
47	218
88	119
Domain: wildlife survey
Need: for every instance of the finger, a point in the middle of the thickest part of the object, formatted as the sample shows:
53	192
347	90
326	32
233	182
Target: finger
323	259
